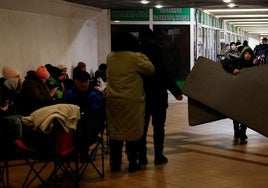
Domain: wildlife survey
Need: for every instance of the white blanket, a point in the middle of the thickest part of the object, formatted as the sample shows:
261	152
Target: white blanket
42	119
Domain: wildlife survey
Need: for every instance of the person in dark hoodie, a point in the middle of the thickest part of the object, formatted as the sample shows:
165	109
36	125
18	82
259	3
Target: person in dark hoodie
234	67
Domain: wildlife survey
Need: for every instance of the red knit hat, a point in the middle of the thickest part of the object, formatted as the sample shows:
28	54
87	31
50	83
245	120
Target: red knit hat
42	73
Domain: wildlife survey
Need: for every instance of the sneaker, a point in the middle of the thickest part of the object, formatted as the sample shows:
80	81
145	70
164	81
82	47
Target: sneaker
160	160
133	167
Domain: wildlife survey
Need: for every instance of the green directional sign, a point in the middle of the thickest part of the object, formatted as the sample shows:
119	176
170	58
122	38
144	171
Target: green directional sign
171	14
130	14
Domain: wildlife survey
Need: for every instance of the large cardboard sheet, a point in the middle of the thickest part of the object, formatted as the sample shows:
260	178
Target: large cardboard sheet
243	97
199	113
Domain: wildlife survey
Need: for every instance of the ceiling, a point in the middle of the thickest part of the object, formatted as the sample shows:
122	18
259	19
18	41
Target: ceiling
250	16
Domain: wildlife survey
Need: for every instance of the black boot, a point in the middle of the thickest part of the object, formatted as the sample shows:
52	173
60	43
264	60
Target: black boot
243	136
160	159
236	129
159	135
143	160
116	154
142	150
132	155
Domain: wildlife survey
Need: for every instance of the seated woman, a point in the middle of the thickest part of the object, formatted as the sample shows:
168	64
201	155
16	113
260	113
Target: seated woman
11	127
35	92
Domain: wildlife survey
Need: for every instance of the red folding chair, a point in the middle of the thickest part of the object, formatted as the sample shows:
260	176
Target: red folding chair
62	154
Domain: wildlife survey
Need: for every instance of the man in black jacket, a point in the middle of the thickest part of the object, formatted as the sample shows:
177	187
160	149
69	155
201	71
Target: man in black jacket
156	102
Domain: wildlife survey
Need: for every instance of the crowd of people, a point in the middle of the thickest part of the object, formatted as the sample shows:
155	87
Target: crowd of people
237	57
122	95
46	86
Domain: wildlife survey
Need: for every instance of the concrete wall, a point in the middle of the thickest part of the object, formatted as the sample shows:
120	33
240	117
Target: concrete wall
31	36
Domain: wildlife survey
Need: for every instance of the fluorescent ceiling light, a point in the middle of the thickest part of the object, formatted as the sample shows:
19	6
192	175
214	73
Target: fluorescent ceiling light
250	19
256	32
246	25
158	6
245	22
235	10
227	1
144	2
231	5
243	16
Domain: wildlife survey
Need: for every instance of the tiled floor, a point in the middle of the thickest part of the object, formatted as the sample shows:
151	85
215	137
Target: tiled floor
203	156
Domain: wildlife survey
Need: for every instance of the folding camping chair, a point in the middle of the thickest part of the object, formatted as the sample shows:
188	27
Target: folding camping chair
93	150
7	150
105	147
4	173
61	153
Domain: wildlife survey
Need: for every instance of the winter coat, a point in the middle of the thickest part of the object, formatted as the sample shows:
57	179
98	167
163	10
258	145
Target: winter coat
157	85
238	63
125	101
34	95
91	108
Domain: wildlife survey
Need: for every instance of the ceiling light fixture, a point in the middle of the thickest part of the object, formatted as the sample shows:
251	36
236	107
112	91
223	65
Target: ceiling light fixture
227	1
237	20
158	6
231	5
144	2
243	16
236	10
247	25
234	23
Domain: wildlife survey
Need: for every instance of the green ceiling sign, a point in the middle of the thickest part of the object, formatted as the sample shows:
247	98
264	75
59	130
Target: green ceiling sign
171	14
130	14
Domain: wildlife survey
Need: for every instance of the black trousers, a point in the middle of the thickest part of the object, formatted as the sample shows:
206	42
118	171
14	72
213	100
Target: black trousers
158	116
116	147
240	129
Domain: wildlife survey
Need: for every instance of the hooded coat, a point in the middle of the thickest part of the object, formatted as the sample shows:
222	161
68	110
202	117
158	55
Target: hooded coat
231	64
125	100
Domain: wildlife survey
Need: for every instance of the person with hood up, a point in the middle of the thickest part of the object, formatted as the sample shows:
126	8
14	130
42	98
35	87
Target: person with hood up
234	67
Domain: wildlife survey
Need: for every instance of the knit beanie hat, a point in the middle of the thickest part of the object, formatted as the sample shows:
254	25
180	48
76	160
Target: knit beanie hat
42	73
13	84
10	72
62	67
